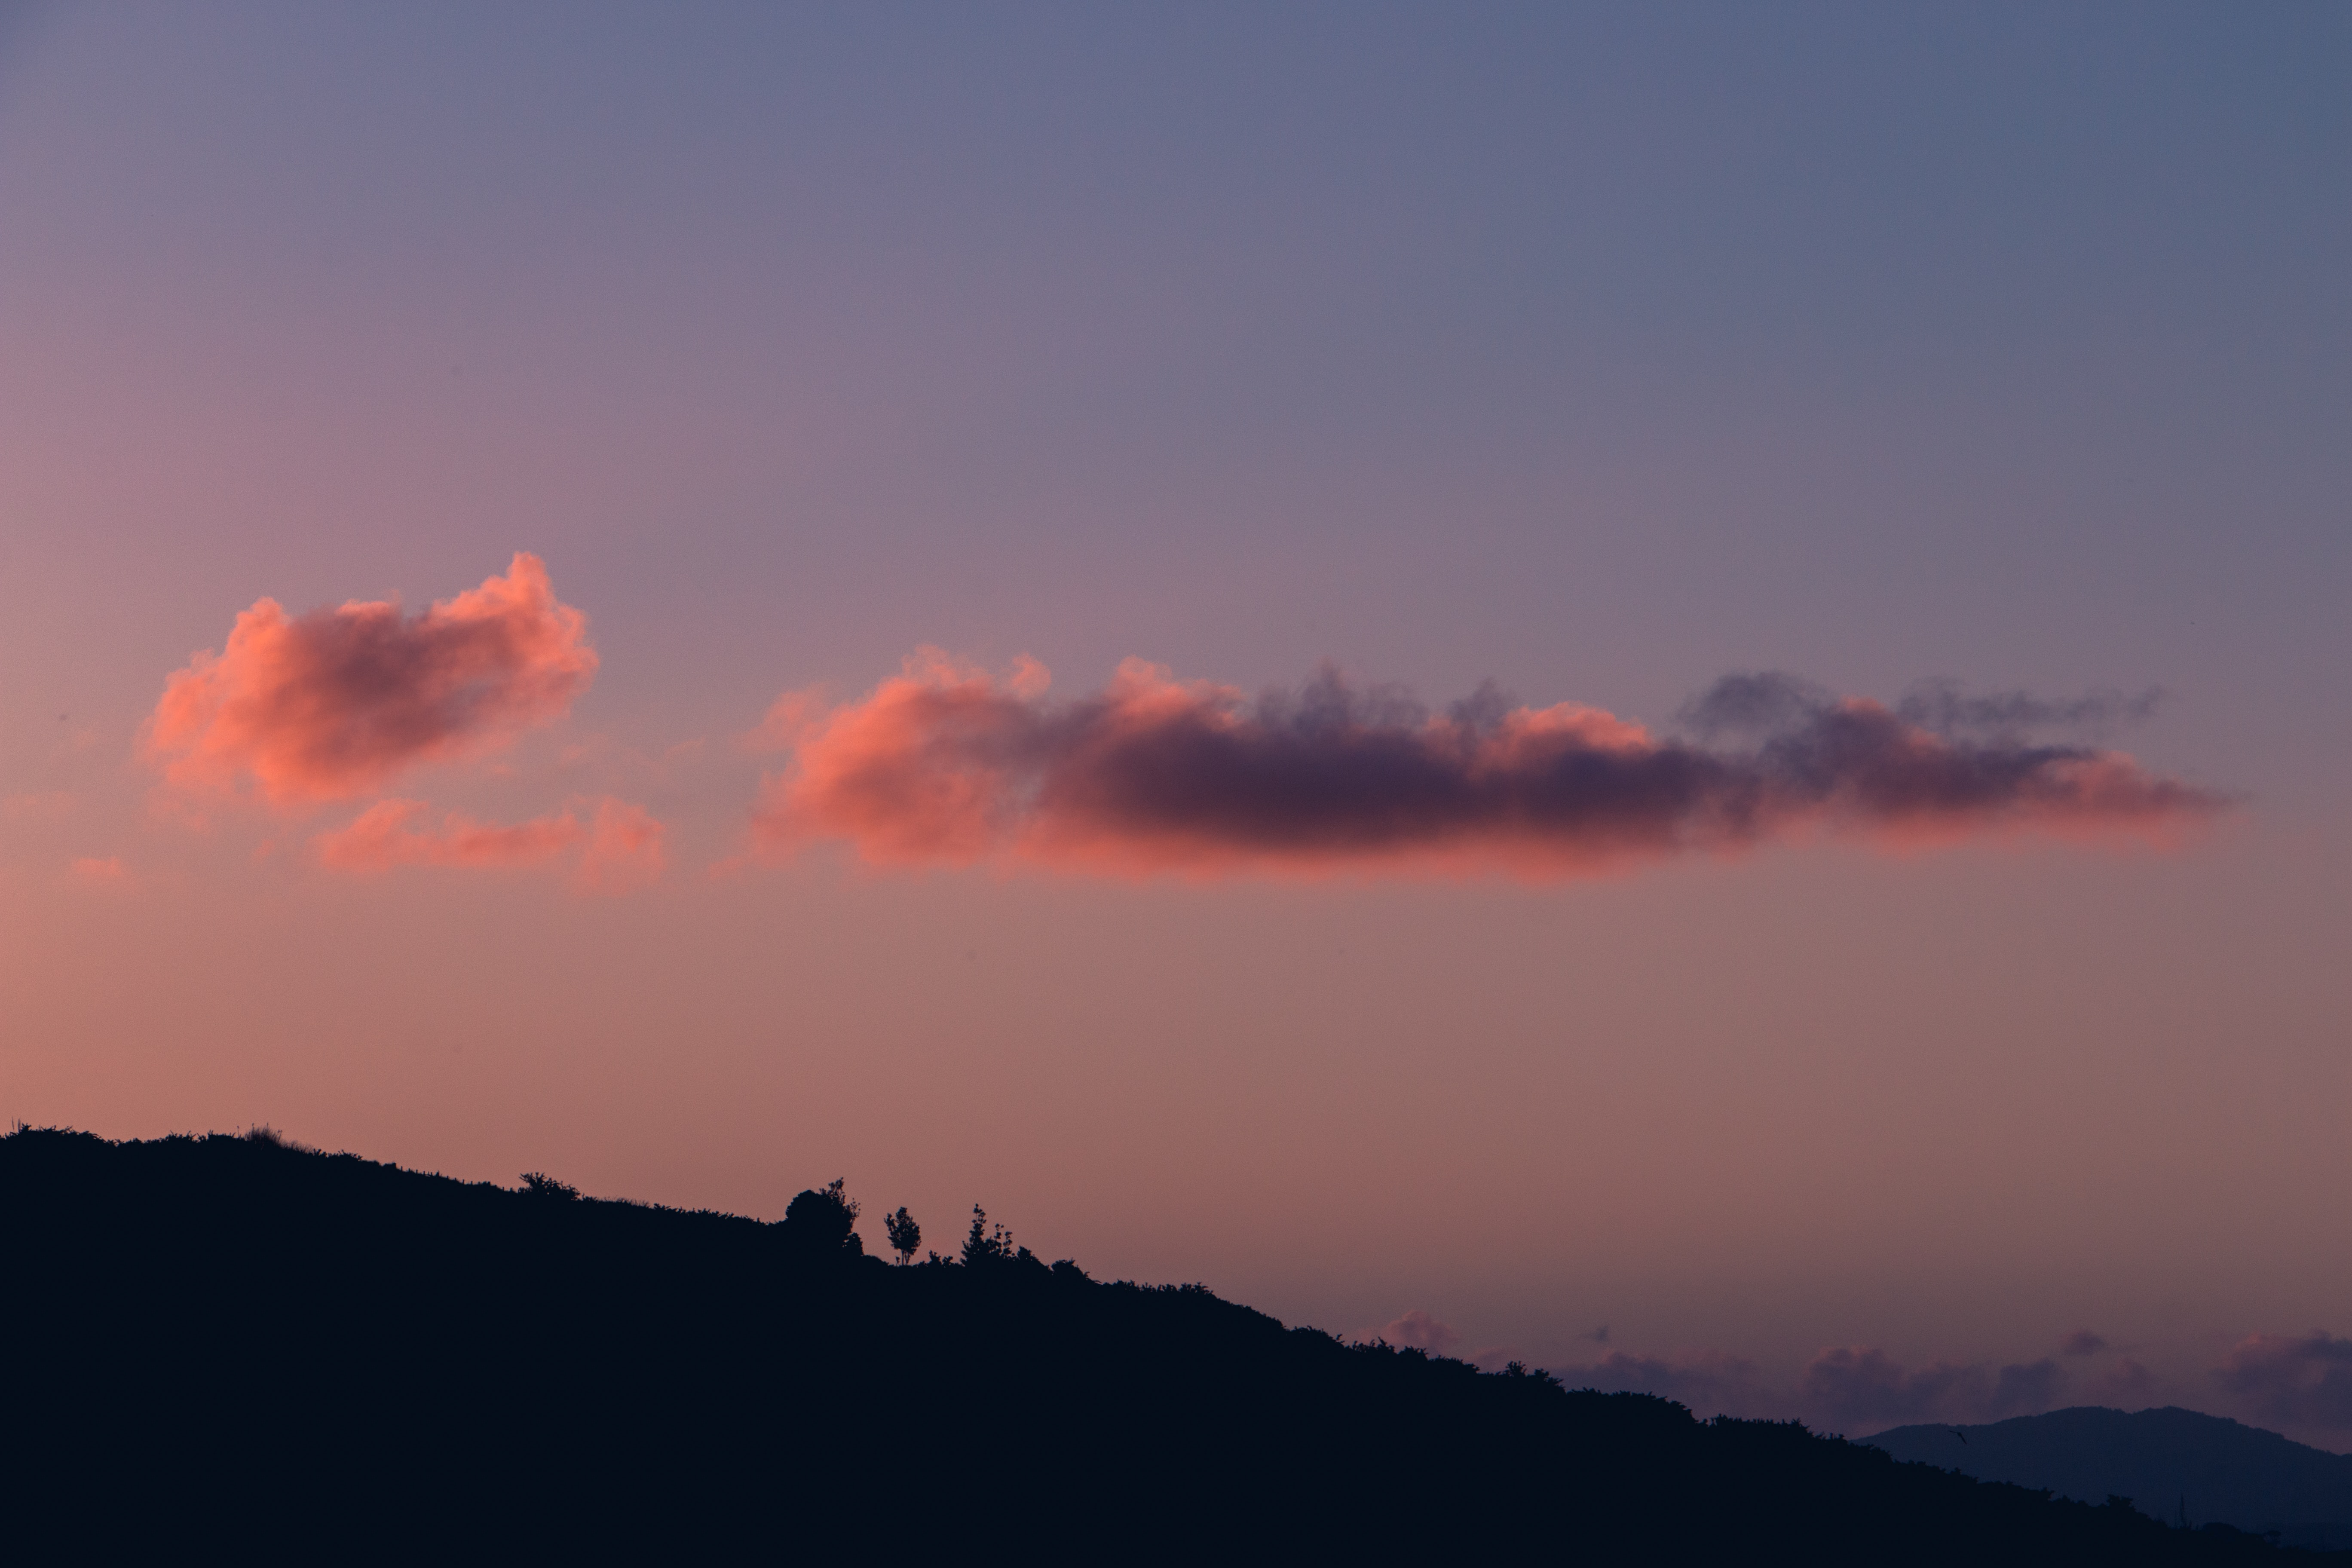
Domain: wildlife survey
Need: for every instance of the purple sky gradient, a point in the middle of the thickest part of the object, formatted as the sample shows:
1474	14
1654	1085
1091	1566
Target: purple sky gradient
1599	351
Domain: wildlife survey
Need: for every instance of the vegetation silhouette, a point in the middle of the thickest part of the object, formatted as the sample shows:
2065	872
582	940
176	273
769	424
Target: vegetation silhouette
236	1340
821	1225
903	1233
984	1249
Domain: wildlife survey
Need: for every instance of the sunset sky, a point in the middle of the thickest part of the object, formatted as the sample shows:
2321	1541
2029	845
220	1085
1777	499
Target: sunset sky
1657	689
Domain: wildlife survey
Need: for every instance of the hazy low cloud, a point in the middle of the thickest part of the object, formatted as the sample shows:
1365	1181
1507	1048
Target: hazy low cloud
947	764
1416	1330
330	704
1859	1389
2302	1384
1711	1383
2126	1384
2305	1381
1856	1389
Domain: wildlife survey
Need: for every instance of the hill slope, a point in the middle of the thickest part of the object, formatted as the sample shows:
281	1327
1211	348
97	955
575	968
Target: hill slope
232	1342
2220	1468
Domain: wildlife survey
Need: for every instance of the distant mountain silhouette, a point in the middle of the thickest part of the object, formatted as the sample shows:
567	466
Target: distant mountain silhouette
234	1346
2164	1460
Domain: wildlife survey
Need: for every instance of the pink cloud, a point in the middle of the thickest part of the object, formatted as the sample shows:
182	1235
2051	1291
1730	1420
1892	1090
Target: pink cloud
91	869
626	851
946	764
788	718
389	834
622	845
332	703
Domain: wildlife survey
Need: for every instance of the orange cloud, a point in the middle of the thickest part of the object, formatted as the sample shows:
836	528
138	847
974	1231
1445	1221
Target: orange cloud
945	764
331	704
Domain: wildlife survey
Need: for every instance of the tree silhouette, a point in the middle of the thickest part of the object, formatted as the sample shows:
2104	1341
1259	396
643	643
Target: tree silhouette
903	1233
823	1220
980	1247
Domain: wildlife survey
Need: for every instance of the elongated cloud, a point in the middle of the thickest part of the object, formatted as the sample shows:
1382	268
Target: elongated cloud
333	703
622	845
397	833
946	764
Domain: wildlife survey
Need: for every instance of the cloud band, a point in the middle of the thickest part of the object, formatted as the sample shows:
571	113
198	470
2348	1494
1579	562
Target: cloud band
946	764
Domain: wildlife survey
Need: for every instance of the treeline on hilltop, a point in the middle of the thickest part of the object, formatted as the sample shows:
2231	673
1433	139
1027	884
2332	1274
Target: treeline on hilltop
235	1339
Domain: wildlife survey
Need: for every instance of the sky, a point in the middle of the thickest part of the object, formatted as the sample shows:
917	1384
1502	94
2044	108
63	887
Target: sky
1650	689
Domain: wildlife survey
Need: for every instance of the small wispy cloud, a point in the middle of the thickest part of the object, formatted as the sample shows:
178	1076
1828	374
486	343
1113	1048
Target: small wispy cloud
627	849
623	847
396	833
36	805
1945	708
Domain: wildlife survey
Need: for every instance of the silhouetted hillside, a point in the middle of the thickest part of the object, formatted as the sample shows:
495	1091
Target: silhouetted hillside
225	1345
2164	1460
